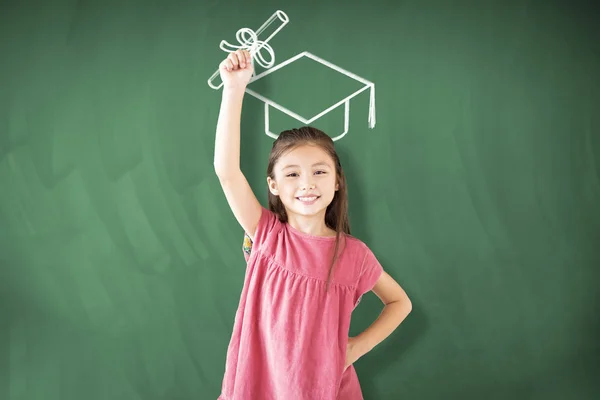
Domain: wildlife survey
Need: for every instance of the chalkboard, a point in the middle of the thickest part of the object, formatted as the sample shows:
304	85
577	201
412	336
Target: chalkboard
478	188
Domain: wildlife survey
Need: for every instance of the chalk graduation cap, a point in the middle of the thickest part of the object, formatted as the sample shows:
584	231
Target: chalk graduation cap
296	86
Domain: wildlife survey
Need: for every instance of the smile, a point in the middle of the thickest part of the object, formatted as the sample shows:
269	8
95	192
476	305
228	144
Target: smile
309	199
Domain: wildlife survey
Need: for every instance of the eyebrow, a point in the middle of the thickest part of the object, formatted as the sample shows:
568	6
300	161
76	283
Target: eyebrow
314	165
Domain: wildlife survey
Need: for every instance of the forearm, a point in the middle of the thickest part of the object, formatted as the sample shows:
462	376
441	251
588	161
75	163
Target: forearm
227	141
389	319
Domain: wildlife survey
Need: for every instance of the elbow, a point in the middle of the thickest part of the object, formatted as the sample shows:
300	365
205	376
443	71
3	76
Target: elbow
224	173
220	169
406	305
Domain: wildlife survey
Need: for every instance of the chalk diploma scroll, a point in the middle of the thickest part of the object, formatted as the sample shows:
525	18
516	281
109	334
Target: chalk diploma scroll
250	40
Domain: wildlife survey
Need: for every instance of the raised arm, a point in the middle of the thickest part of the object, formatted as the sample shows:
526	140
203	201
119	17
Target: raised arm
236	71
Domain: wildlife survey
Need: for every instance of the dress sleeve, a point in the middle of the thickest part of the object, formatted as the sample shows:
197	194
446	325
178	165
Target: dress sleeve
370	272
266	225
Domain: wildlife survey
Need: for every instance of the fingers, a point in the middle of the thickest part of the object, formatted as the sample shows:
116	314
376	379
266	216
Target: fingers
233	60
227	65
238	59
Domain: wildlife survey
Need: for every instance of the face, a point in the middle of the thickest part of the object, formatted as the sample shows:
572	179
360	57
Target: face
305	180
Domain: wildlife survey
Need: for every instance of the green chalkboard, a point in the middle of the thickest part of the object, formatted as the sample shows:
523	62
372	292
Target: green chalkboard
478	189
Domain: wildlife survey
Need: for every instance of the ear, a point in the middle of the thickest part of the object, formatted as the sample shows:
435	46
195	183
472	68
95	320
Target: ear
272	186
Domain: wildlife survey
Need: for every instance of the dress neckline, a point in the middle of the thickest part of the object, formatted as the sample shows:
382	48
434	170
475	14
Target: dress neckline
307	235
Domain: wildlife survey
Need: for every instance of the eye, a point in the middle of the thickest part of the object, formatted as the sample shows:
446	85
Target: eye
321	172
291	175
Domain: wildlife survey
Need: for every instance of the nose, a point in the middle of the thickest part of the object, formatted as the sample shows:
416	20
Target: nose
308	186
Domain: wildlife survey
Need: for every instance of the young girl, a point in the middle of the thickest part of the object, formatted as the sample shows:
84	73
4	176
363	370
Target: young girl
305	274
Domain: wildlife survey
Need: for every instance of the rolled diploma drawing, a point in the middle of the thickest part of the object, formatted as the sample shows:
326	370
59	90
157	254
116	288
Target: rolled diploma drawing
250	40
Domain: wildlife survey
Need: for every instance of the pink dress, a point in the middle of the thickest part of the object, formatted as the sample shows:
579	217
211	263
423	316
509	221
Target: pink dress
289	336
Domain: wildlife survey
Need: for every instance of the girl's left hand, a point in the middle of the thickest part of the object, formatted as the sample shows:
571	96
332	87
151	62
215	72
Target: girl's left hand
352	352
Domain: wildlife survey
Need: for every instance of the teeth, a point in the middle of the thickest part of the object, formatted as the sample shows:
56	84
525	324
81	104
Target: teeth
307	198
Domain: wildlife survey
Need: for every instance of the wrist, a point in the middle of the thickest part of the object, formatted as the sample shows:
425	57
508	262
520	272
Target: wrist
234	88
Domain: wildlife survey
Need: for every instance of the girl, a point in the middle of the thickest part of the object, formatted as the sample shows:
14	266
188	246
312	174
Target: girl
305	274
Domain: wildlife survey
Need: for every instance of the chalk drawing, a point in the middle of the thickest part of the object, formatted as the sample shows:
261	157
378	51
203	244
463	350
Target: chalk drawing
249	40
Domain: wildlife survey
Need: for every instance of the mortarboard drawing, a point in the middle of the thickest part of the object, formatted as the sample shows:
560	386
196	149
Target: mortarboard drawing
343	84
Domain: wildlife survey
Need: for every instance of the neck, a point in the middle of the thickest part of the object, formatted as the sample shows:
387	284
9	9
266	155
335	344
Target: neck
311	225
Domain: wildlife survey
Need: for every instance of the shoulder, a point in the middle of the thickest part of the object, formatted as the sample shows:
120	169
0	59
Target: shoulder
369	268
356	245
362	254
269	220
356	252
268	226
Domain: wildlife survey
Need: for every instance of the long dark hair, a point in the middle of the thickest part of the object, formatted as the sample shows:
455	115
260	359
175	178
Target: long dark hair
336	215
